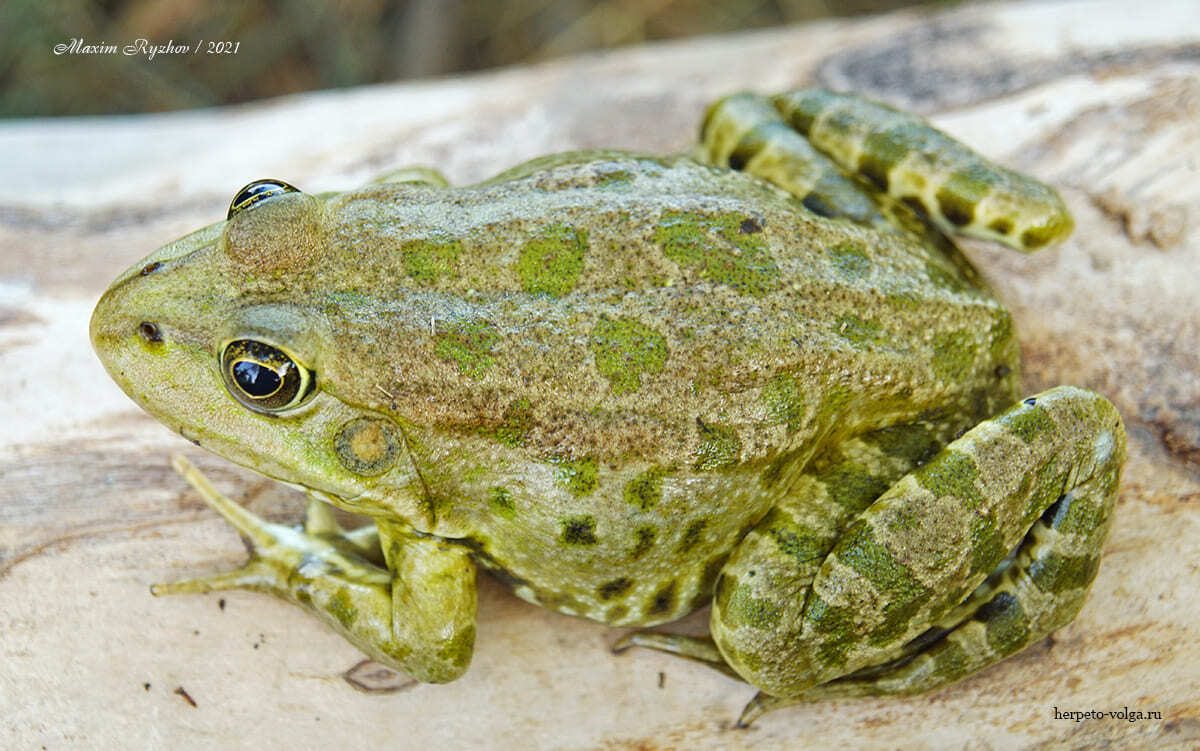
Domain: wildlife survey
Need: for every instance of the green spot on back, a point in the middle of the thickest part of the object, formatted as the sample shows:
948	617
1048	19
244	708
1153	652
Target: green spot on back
579	530
719	447
645	490
784	402
614	178
517	422
861	331
953	355
579	476
500	501
718	249
428	260
469	344
625	349
551	263
850	258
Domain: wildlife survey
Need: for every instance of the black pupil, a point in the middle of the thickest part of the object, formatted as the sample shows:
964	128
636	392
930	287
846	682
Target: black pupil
255	379
256	190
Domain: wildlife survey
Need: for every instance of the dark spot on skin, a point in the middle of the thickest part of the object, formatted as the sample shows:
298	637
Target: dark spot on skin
1007	629
737	161
691	535
150	332
664	600
1001	226
644	537
708	579
1002	371
150	268
580	530
614	588
916	204
875	170
750	226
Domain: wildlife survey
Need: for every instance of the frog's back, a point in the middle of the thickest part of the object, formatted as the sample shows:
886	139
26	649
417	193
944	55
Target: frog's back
629	308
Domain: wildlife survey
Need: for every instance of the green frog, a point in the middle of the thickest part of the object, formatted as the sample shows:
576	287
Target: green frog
760	375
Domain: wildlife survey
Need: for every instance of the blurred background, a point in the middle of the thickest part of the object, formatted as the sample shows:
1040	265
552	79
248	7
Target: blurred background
289	46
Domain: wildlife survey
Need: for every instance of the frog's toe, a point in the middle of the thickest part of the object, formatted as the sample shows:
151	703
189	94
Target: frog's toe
760	705
257	574
259	532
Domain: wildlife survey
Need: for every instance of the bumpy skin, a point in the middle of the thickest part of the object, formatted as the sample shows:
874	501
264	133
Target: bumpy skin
619	381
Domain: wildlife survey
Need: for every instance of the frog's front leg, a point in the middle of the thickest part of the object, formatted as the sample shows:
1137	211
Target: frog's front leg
904	602
415	613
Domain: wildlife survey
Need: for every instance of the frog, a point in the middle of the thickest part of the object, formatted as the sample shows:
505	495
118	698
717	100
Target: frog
760	375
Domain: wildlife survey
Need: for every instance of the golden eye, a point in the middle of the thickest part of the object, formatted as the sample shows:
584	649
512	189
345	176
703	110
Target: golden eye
264	378
256	192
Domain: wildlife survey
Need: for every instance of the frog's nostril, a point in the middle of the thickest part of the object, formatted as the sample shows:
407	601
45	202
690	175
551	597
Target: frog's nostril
149	332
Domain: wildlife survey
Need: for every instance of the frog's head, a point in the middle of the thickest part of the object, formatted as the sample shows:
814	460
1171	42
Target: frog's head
206	335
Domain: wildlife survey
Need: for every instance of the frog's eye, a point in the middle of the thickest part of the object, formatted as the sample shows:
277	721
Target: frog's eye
257	191
265	378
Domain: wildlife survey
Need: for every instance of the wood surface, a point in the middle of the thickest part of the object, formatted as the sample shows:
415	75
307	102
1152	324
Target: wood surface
1100	98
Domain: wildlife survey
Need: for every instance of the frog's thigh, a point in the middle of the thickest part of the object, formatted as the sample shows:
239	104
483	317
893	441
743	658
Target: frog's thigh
805	525
417	614
744	132
912	161
1043	474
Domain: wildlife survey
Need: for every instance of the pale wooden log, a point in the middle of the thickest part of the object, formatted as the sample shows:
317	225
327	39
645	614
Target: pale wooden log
1100	98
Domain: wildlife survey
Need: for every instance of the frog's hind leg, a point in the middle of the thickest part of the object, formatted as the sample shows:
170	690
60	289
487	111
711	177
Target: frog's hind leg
901	604
838	485
745	132
405	600
907	158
